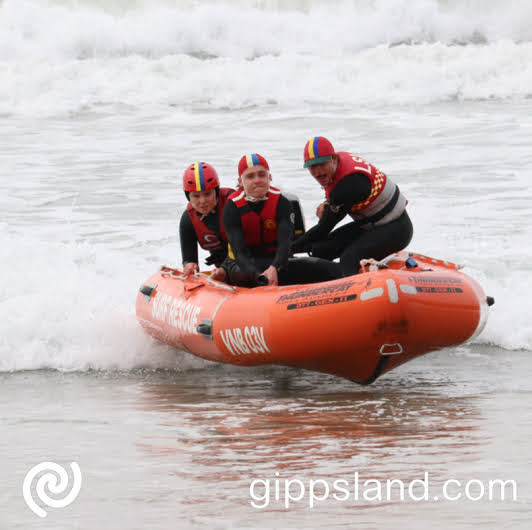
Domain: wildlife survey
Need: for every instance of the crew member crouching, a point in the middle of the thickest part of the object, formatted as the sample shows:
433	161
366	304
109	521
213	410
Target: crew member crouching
381	225
259	223
201	223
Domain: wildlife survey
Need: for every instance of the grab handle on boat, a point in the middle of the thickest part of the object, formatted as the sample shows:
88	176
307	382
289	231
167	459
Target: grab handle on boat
205	328
147	290
391	349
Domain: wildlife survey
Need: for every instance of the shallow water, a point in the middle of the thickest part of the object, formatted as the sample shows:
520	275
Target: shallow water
165	448
99	118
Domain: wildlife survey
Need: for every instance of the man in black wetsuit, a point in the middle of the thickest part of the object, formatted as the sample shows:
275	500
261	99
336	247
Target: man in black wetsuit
353	187
259	223
201	222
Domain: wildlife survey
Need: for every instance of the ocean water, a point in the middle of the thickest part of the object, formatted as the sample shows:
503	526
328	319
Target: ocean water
104	104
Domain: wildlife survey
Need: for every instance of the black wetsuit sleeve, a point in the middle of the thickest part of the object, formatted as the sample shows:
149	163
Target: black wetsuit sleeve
188	240
353	188
328	221
285	231
235	236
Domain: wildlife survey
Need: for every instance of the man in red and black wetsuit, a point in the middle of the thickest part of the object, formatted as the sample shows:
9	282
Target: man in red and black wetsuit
259	223
381	225
201	223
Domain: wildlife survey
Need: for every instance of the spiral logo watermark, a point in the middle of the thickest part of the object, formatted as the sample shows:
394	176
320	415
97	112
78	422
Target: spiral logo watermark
55	480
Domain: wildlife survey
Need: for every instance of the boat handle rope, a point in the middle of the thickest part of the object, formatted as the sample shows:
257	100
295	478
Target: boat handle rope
168	272
372	265
391	349
215	283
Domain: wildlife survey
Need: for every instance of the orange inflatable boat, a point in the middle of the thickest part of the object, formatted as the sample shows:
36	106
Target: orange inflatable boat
358	327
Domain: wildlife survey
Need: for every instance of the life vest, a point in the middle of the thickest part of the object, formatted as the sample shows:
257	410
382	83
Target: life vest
385	202
260	229
207	238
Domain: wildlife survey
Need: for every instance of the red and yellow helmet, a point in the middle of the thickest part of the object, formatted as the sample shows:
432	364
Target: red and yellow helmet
200	176
317	151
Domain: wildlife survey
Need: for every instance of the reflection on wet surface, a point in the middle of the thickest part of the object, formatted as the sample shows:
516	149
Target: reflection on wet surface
160	446
234	429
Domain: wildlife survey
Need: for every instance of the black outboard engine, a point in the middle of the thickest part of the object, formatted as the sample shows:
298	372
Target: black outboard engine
299	221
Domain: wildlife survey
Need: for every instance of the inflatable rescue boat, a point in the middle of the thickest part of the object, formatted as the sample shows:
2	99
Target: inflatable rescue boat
358	327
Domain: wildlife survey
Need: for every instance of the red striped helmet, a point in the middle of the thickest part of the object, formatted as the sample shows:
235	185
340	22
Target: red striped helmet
200	176
317	151
251	160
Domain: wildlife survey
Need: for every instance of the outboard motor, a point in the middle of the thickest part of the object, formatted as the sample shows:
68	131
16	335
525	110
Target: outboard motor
299	221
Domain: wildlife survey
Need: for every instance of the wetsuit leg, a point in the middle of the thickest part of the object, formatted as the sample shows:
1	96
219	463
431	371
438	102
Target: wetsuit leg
337	241
236	275
308	270
296	271
377	243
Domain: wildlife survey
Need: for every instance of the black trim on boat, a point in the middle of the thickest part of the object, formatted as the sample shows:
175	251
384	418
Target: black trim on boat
147	290
205	328
378	371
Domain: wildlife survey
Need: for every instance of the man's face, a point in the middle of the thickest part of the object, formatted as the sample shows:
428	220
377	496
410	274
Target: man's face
255	181
324	173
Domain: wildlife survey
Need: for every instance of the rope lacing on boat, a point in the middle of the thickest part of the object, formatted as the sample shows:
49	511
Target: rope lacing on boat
178	275
372	265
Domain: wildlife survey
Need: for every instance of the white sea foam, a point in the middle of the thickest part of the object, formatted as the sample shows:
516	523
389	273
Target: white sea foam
71	307
419	74
60	57
239	29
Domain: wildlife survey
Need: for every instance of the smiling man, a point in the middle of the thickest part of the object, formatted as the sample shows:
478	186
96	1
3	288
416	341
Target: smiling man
259	224
381	225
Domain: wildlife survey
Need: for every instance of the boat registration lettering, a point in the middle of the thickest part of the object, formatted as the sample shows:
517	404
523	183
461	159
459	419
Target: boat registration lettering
434	279
438	289
316	291
249	340
177	313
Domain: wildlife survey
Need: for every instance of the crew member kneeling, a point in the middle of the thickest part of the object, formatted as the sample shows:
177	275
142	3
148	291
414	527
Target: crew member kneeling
259	224
353	186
